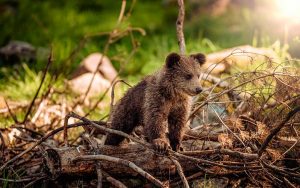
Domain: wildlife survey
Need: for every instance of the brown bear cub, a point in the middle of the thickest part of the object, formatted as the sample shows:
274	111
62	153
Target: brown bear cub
160	102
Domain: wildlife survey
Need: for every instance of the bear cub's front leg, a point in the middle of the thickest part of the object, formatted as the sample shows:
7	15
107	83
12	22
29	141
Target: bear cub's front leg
161	145
177	120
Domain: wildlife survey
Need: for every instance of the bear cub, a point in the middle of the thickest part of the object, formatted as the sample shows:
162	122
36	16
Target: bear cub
160	102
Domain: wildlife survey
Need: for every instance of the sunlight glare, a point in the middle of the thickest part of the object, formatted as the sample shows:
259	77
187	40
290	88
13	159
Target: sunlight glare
289	9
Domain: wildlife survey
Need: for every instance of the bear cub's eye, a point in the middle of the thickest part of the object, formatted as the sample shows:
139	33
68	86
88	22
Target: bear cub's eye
188	76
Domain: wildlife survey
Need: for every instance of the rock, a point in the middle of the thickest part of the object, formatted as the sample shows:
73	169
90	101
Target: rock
81	83
82	77
16	51
90	63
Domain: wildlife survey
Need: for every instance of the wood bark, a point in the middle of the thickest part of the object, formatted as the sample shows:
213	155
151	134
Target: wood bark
59	161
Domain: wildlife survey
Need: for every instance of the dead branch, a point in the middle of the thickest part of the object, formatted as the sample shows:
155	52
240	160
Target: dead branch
108	130
179	26
15	180
237	154
180	172
277	129
288	183
38	143
13	116
239	139
122	162
40	86
99	174
114	181
112	96
233	88
196	175
122	11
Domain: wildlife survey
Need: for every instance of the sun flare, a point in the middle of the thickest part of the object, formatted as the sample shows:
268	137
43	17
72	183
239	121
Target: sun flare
289	9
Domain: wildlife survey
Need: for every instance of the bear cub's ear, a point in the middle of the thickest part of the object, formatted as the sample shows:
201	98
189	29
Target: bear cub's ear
172	59
200	58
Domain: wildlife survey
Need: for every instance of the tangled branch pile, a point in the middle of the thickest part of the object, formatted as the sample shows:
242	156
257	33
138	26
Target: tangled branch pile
244	132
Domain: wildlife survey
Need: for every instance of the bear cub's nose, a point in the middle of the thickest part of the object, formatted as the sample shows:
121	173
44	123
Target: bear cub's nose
198	90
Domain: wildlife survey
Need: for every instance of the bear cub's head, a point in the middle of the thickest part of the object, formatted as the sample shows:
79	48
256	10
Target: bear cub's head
184	72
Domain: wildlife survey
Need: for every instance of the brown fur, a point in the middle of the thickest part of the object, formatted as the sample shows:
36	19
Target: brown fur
161	102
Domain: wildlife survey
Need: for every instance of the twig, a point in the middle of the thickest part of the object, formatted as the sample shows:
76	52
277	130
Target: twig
96	70
196	175
5	110
180	172
108	130
39	142
236	154
40	86
179	27
115	182
113	93
27	129
66	130
16	181
122	11
282	171
99	175
203	161
277	129
230	90
228	127
39	110
215	80
34	181
13	116
288	183
295	143
123	162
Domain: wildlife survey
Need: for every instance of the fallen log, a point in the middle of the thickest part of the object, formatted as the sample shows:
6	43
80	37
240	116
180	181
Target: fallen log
61	161
70	161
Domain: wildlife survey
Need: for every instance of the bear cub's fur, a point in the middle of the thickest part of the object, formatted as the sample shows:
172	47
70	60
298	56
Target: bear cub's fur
160	102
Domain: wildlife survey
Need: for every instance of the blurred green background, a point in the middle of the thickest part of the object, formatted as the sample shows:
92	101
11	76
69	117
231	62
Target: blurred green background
61	24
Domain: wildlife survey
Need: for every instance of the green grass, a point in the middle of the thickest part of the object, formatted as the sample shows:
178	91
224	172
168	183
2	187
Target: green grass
62	25
25	80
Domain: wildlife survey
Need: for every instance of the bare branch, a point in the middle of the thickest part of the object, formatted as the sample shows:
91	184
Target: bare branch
277	129
181	174
40	86
179	26
13	116
99	174
123	162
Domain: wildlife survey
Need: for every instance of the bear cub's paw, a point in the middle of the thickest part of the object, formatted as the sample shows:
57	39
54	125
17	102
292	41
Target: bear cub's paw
161	145
177	147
